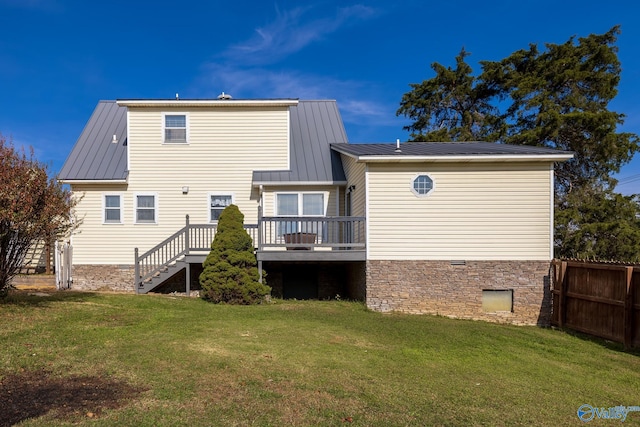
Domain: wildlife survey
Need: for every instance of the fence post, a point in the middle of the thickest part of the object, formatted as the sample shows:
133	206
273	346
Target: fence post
628	309
136	272
562	297
69	264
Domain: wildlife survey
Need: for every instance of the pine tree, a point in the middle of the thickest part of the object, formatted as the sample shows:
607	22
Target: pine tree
230	272
452	106
559	98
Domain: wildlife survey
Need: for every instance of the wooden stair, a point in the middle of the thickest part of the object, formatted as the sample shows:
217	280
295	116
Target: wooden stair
162	276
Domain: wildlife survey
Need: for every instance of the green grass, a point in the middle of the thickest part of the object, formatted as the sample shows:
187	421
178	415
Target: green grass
304	363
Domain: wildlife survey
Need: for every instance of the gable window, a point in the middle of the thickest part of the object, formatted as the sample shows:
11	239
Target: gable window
146	208
217	203
175	128
112	209
422	185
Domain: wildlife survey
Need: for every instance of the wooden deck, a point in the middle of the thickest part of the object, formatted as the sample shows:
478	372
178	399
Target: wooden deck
275	238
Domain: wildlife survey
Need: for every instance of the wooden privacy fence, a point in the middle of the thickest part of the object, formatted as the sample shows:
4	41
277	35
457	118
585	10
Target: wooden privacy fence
598	299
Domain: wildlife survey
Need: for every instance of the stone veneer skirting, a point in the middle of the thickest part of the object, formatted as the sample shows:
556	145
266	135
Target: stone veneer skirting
420	287
103	277
439	287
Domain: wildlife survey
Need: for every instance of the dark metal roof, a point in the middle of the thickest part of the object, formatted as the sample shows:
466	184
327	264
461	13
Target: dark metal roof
95	156
315	125
444	149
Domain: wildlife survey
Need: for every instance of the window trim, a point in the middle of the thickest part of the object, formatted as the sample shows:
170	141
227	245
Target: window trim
280	232
217	193
104	209
155	208
428	193
325	202
164	127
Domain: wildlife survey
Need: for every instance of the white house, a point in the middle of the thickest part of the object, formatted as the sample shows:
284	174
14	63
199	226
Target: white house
458	229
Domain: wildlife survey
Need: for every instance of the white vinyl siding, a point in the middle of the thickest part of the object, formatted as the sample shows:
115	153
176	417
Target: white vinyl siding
225	146
477	211
112	209
96	242
355	173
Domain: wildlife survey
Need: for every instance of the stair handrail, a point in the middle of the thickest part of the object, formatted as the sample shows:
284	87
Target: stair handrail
171	249
158	257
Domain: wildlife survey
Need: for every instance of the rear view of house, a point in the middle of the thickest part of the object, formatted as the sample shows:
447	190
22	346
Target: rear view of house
459	229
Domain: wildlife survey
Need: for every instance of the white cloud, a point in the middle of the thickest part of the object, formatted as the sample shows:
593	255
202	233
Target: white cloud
266	83
248	70
290	32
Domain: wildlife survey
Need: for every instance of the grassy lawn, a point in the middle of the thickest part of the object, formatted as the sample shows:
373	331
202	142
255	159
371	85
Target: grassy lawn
107	359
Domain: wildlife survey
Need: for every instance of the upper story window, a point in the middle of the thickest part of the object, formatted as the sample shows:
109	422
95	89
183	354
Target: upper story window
422	185
112	209
146	208
175	128
217	203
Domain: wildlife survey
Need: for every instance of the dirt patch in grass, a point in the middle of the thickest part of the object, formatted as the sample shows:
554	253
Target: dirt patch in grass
32	394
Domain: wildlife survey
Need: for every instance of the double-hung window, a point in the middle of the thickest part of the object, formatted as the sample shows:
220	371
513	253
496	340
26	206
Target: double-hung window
146	208
112	209
175	128
217	203
299	205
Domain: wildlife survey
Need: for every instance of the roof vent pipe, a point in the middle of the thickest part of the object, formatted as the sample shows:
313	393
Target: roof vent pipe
114	140
398	150
224	96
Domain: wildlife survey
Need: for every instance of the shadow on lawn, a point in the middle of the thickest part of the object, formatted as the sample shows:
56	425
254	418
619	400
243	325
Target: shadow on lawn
36	393
610	345
36	298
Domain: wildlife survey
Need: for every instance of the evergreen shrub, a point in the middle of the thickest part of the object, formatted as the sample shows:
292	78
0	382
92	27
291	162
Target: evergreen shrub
230	273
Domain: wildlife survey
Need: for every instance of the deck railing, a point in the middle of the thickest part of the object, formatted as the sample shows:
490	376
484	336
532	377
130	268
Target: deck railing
272	233
336	233
189	239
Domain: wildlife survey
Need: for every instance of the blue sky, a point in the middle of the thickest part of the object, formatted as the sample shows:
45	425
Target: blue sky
59	57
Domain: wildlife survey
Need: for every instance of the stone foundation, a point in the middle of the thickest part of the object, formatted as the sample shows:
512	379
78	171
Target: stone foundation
438	287
103	277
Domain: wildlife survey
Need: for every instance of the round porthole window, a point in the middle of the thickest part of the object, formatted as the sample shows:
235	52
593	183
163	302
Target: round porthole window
422	185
